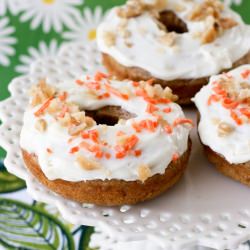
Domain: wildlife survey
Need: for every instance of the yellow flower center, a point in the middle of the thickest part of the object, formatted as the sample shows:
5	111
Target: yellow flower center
48	1
92	34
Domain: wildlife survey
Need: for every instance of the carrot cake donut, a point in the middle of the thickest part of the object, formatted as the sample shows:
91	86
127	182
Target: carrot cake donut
179	43
103	141
224	127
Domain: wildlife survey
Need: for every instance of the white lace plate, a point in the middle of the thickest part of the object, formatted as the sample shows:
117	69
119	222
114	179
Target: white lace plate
204	208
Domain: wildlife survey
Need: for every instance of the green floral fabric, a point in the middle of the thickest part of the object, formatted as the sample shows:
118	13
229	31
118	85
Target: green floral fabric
30	30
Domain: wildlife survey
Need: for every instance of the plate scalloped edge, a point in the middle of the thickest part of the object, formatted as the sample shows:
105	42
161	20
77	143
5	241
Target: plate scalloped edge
172	231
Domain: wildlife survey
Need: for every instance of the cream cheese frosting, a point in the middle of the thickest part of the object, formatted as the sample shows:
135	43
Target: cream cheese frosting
224	107
143	144
185	58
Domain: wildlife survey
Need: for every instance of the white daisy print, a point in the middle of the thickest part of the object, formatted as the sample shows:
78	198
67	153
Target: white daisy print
14	6
230	2
51	14
6	41
42	52
85	28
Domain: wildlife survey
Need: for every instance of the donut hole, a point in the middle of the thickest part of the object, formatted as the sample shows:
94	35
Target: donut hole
109	115
172	22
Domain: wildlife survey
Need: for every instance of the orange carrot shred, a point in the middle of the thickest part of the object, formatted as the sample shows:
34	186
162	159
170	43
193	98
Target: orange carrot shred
79	82
213	98
108	155
41	110
116	92
229	104
167	110
135	84
151	108
137	153
63	96
245	74
180	121
175	157
236	118
168	129
74	150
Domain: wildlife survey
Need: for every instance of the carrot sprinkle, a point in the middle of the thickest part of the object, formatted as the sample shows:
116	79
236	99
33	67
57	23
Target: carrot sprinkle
120	154
168	129
137	153
151	108
99	76
180	121
120	133
175	157
245	74
91	134
108	155
41	110
65	109
135	84
63	96
103	96
213	98
246	112
167	110
236	118
79	82
116	92
229	103
74	150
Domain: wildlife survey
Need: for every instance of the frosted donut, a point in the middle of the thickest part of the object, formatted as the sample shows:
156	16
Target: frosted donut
74	144
224	127
177	42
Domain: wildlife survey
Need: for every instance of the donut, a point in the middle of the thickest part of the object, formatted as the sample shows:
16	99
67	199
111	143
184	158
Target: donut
224	122
178	43
103	141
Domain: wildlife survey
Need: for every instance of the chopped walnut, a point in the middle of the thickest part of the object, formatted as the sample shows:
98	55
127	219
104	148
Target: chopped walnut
144	172
211	12
168	39
109	38
225	129
227	23
87	164
41	92
41	125
134	8
168	93
76	129
206	8
212	31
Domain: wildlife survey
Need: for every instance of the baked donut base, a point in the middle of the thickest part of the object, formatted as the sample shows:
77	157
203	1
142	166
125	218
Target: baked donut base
184	88
238	172
111	192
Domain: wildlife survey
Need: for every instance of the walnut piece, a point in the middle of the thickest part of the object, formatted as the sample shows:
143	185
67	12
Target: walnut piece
168	39
87	164
144	172
134	8
225	129
109	38
41	92
41	125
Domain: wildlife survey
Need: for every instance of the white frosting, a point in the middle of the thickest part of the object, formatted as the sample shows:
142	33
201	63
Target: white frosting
235	147
157	147
189	58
